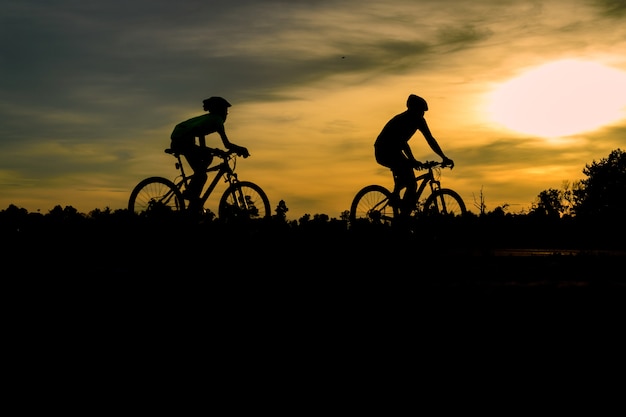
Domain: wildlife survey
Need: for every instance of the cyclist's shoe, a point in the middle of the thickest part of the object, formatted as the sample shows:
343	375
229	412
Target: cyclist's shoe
394	200
401	222
194	203
188	195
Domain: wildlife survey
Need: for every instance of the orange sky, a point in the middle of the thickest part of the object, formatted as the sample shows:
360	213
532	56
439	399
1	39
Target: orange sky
91	92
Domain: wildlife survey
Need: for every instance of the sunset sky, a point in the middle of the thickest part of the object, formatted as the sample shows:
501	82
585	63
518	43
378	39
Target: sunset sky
522	94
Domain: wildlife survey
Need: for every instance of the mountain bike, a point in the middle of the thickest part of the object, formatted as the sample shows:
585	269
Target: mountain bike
376	204
241	199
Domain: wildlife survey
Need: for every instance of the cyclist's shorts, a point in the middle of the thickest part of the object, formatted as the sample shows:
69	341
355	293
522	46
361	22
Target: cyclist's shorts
399	164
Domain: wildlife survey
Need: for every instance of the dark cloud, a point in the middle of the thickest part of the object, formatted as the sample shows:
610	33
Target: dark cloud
611	8
460	37
507	151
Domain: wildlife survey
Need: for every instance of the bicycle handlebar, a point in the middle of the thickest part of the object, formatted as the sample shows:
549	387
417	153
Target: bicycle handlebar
221	153
224	154
432	164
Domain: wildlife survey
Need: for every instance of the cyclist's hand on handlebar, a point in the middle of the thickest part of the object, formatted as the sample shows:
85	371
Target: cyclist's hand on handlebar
218	152
240	150
418	165
447	162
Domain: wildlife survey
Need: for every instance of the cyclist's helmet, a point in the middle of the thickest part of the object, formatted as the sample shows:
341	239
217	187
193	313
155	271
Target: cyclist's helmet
416	103
215	104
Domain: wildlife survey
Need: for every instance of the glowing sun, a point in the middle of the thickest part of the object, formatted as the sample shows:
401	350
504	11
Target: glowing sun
561	98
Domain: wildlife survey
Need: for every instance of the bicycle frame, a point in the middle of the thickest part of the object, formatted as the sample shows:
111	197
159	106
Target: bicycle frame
426	178
222	169
377	204
241	200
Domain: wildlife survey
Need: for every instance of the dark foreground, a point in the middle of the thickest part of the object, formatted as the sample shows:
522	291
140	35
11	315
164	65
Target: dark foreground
310	265
302	315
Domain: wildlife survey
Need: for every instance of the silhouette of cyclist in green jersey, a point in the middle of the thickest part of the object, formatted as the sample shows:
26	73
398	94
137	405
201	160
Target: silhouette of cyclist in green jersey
199	156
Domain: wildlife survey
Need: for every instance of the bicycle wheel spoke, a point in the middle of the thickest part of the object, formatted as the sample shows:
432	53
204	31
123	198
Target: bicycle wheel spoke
155	195
371	205
244	201
444	202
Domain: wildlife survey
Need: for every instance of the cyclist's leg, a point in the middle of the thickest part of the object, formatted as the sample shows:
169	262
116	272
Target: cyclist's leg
405	178
198	159
391	160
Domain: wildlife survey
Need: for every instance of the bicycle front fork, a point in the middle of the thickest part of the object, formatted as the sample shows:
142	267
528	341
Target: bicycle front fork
435	186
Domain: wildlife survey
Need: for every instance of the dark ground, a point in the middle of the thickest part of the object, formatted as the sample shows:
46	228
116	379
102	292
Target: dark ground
456	270
310	265
306	319
300	320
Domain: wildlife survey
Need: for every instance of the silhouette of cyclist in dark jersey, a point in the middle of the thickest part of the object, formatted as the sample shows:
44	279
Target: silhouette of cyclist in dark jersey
392	150
199	156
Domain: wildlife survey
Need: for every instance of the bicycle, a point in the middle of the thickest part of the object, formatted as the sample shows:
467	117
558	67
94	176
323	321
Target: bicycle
375	203
242	200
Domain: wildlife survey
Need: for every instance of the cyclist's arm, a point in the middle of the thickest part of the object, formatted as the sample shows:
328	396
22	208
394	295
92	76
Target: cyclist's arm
222	132
432	142
240	150
434	145
409	153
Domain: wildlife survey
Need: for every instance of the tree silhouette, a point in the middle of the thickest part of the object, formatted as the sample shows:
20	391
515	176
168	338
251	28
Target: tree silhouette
550	203
281	211
603	193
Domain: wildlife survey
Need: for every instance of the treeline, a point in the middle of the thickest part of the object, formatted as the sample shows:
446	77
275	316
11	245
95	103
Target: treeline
491	229
587	214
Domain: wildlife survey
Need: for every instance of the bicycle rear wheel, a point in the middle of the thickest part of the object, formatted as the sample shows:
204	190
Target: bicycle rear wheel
444	202
371	205
155	195
244	200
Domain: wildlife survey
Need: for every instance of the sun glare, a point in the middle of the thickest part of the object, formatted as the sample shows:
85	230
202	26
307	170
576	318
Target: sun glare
561	98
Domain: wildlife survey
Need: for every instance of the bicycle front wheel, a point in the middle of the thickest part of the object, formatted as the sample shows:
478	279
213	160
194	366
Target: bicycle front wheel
155	195
444	202
371	205
244	200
